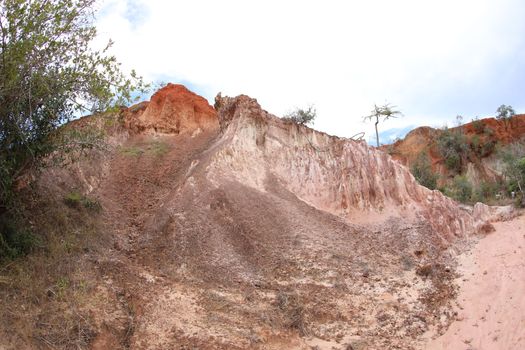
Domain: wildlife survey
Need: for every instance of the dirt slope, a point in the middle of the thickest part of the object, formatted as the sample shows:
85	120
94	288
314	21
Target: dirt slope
491	307
232	229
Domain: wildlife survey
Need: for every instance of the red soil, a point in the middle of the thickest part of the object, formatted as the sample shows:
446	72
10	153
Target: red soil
488	131
173	109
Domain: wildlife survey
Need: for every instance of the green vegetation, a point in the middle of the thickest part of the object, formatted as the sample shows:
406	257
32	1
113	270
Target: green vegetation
49	73
485	192
16	239
132	151
422	171
460	189
47	289
479	126
155	148
513	158
76	200
302	116
505	113
379	113
452	145
158	148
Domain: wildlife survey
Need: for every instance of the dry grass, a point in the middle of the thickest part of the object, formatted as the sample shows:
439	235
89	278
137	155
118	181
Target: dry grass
43	293
292	310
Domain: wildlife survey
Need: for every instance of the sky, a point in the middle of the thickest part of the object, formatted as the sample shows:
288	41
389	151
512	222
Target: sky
433	60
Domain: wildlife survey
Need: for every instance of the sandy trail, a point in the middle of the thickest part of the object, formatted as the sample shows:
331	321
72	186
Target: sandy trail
491	311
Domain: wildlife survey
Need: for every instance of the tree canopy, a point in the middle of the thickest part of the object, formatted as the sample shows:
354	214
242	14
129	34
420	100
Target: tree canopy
49	73
383	112
505	112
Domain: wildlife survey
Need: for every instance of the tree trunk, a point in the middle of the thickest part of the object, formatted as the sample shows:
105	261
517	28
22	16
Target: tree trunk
377	134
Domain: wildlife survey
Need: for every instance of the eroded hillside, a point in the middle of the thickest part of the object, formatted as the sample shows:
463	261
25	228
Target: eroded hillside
234	229
478	143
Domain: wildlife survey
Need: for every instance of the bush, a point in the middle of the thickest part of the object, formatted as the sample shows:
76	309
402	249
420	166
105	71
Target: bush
294	313
302	116
453	162
478	125
461	189
485	191
488	148
475	144
422	171
15	240
76	201
513	158
452	145
482	148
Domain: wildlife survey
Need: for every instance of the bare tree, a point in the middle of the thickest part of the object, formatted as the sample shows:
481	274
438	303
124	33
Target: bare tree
383	112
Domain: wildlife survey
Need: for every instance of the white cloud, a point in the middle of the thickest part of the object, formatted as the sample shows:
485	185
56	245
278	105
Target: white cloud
342	56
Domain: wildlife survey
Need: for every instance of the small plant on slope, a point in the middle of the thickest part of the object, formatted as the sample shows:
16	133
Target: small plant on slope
302	116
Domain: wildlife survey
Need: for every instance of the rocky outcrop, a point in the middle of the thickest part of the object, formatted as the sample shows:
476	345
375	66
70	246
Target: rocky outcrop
347	178
172	110
485	213
344	177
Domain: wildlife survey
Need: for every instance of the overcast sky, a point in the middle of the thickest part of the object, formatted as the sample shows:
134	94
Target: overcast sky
432	59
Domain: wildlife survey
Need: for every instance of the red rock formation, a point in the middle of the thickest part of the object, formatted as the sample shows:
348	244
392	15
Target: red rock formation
172	110
481	137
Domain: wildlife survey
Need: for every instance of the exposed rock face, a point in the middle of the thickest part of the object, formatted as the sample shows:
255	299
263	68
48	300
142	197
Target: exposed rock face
173	110
489	214
344	177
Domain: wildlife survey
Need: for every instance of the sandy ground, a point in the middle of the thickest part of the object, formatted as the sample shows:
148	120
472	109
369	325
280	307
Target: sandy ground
491	300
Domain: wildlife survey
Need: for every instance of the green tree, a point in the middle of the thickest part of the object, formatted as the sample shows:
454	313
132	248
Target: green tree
383	113
302	116
505	112
49	73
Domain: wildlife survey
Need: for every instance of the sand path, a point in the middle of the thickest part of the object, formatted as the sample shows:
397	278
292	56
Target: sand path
491	312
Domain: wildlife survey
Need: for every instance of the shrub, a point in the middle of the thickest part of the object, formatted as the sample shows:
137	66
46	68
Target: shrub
16	240
158	148
302	116
489	131
488	148
453	162
482	148
478	125
73	200
422	171
475	143
513	158
76	201
132	151
452	145
92	204
485	191
461	189
290	305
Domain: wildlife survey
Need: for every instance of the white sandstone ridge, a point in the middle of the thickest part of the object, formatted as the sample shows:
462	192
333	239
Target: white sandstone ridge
344	177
